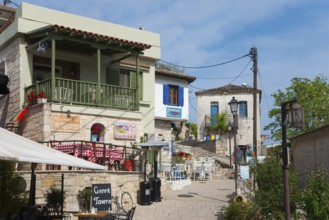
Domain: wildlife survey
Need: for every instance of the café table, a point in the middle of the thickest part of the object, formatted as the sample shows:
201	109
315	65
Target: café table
92	216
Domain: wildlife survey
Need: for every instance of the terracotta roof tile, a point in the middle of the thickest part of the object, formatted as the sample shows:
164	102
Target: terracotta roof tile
99	36
228	89
168	73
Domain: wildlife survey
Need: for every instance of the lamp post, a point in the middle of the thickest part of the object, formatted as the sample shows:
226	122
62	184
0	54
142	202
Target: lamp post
229	128
234	109
295	119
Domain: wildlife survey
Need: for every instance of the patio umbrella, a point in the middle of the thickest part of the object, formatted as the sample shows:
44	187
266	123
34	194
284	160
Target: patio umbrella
17	148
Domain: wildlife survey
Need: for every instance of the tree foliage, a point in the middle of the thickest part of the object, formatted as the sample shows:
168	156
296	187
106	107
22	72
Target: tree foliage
313	95
314	199
193	129
221	123
269	195
12	199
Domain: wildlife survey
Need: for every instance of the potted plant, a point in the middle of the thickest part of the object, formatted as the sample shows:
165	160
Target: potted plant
84	197
41	97
54	200
31	98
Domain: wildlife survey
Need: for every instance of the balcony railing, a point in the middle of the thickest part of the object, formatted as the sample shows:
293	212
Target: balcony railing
86	93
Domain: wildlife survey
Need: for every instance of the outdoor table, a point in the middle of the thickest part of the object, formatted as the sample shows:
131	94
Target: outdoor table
92	216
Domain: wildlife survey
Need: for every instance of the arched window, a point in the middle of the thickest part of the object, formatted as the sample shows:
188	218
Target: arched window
97	132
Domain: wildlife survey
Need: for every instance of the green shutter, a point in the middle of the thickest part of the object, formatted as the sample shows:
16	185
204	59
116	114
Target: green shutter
133	80
113	76
140	85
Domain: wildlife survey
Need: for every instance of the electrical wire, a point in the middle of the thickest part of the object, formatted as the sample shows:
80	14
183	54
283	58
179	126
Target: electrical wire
222	77
203	67
193	106
240	73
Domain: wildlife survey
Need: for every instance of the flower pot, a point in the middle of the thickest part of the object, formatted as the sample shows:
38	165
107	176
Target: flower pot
129	165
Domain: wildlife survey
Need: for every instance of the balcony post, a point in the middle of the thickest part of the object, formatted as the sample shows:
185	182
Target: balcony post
137	82
98	94
53	66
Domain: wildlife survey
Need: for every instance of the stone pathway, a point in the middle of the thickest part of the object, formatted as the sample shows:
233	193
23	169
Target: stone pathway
200	200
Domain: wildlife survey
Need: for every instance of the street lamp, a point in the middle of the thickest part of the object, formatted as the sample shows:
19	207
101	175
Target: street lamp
295	119
229	128
234	109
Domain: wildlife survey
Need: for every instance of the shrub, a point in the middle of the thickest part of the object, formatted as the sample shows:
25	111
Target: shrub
314	199
54	200
241	211
12	199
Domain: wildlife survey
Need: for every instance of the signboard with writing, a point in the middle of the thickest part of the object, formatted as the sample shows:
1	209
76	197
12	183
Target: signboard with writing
66	123
174	112
101	197
125	130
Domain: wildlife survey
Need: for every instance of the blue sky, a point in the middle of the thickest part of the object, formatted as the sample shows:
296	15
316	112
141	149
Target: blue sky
292	37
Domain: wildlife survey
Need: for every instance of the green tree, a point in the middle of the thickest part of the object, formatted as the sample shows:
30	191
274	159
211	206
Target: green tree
313	95
12	199
314	199
221	123
193	129
269	195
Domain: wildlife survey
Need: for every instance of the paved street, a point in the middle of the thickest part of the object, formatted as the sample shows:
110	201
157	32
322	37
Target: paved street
200	200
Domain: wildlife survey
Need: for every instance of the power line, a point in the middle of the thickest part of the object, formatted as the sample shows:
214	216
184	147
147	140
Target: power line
231	77
240	73
193	107
203	67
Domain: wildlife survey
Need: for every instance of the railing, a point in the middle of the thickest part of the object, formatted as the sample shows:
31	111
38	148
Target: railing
86	93
115	156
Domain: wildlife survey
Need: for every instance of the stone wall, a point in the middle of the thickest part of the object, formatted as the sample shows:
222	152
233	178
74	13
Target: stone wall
78	180
10	55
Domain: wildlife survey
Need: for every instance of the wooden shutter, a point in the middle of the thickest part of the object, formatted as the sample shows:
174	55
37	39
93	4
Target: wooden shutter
133	80
140	85
181	96
166	94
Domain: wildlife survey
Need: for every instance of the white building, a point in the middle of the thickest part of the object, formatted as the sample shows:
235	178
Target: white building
212	102
171	103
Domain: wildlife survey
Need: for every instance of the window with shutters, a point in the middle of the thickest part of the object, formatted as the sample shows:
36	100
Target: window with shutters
243	109
125	78
213	113
173	95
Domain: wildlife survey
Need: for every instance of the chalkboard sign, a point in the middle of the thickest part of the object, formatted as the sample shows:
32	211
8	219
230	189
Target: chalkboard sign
101	197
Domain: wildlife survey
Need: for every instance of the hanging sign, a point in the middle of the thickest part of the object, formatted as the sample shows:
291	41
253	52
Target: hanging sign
125	130
174	112
66	123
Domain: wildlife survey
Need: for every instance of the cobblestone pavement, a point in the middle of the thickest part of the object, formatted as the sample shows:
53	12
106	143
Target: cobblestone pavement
200	200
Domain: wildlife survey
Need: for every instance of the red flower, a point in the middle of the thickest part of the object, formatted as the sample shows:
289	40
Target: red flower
181	154
41	95
31	98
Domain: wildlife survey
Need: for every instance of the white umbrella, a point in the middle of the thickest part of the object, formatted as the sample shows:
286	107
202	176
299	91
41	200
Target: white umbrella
18	148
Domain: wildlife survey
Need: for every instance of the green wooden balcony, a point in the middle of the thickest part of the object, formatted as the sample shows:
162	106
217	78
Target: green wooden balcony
86	94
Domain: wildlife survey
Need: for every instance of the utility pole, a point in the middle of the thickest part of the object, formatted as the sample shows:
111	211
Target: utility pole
254	57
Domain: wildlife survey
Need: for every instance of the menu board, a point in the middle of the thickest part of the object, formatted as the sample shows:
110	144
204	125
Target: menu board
101	197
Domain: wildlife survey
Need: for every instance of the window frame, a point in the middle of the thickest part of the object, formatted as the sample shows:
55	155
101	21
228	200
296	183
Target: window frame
243	109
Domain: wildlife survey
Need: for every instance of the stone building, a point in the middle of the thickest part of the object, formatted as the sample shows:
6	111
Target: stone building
212	102
171	106
309	151
85	68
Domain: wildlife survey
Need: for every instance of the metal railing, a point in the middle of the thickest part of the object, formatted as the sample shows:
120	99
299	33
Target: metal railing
86	93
